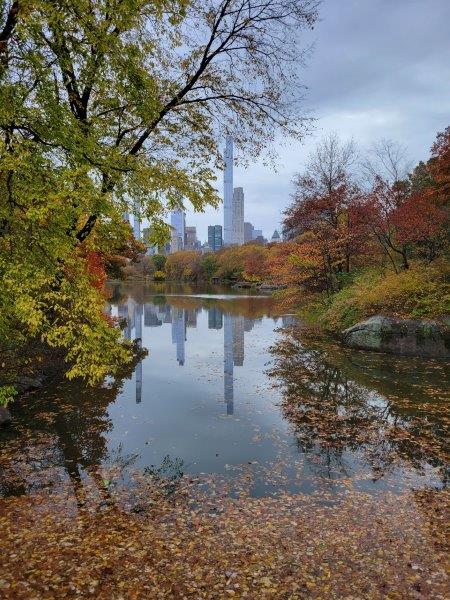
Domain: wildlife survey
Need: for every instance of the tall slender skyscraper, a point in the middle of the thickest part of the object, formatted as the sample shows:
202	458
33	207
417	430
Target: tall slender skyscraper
228	361
228	193
238	217
137	220
138	337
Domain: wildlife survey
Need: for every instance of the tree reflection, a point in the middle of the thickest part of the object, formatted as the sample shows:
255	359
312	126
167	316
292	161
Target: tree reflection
345	406
57	433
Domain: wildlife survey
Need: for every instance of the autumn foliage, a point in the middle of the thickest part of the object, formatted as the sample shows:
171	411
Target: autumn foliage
339	226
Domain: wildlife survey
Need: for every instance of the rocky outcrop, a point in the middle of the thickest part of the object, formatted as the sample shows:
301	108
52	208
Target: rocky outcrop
406	337
5	416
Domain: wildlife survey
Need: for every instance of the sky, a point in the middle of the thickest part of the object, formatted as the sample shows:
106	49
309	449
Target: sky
379	69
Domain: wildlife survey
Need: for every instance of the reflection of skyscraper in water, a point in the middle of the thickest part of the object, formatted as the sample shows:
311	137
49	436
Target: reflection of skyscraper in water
215	318
191	317
167	313
122	312
138	337
129	315
288	320
228	361
151	317
179	333
238	340
132	312
248	324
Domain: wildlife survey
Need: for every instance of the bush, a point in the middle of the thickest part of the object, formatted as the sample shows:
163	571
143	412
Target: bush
159	261
159	276
7	393
419	292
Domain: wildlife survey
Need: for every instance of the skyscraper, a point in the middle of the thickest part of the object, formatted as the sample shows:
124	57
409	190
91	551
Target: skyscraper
191	238
215	237
276	237
228	193
137	220
238	216
178	224
248	232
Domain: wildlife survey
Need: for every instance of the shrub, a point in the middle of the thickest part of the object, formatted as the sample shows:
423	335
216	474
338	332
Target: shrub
7	393
419	292
159	276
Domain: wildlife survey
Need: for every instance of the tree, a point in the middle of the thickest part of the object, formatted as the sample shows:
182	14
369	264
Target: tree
388	161
439	167
113	106
208	265
408	216
324	215
159	260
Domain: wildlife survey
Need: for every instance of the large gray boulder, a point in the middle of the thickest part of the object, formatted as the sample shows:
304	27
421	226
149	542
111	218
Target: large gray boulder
407	337
5	416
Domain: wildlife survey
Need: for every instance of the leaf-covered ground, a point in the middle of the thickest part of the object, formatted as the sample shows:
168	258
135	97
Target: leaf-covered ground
137	543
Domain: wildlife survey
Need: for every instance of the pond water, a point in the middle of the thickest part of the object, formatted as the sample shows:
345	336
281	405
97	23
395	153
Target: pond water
230	388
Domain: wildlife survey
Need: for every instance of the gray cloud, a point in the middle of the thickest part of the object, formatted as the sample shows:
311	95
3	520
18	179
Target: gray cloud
380	69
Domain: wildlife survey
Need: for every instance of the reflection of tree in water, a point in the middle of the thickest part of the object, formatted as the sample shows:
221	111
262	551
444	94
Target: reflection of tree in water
56	433
339	408
184	297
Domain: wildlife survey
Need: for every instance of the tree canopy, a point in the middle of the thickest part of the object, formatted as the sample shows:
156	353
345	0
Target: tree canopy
107	105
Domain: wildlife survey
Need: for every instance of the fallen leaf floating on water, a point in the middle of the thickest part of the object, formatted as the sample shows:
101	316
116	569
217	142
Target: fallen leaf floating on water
140	542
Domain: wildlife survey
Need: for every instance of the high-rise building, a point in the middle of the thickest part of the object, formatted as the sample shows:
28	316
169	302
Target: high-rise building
191	238
238	216
178	224
215	237
276	237
137	220
228	192
257	233
147	233
248	232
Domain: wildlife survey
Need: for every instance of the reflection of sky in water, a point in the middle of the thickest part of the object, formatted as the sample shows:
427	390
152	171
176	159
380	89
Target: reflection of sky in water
202	395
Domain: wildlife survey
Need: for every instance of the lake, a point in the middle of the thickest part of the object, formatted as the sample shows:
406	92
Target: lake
232	392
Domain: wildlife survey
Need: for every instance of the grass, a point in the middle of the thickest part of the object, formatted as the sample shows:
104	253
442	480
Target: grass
423	291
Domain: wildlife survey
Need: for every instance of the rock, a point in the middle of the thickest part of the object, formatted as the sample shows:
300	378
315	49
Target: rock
407	337
243	284
5	416
272	287
26	383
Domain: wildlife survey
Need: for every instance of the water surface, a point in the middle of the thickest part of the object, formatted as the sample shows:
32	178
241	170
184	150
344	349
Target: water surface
229	388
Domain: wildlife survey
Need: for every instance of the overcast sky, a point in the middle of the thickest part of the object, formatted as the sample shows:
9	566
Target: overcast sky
380	69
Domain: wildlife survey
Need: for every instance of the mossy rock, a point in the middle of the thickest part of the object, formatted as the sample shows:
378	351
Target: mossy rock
406	337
